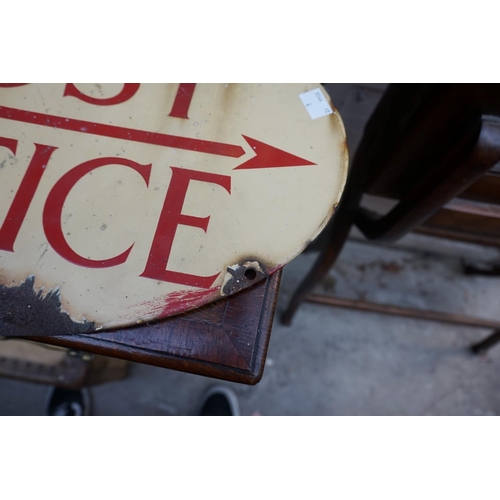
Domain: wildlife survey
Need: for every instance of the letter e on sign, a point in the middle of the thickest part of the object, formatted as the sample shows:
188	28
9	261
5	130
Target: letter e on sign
171	216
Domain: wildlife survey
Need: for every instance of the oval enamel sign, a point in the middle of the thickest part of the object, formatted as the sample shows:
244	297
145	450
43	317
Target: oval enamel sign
123	203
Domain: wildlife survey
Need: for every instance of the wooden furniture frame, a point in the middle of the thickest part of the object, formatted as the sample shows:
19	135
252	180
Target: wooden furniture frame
424	145
227	339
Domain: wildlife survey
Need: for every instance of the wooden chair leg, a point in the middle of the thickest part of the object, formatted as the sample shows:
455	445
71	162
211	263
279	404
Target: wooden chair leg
332	241
431	195
474	269
486	344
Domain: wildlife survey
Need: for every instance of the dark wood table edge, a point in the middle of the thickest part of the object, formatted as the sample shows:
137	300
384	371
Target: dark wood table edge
84	342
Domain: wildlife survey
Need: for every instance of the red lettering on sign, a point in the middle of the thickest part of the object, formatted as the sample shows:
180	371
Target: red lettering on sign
11	85
55	200
171	216
182	100
10	144
22	200
128	91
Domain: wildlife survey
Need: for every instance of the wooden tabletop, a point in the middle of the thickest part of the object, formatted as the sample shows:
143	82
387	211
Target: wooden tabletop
227	339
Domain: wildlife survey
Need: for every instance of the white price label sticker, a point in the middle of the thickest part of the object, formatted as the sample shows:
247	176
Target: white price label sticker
315	103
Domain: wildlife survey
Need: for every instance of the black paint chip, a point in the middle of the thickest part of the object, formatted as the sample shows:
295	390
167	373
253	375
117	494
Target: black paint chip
25	312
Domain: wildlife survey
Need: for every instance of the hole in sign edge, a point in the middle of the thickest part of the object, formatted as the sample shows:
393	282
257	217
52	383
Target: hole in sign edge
250	274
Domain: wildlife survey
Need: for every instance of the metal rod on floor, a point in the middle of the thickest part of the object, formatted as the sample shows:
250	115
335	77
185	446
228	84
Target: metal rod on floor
442	317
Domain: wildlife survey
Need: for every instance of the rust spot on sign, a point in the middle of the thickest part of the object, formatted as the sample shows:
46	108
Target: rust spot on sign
25	311
242	275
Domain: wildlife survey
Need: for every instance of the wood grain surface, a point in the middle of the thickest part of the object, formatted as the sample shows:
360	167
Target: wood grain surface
227	339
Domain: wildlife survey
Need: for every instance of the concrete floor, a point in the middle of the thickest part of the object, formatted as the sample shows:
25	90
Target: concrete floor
339	362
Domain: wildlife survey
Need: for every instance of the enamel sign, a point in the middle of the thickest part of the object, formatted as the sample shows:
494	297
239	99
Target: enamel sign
125	203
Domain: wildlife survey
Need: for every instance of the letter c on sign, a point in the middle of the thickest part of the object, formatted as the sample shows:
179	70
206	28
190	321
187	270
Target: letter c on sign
55	200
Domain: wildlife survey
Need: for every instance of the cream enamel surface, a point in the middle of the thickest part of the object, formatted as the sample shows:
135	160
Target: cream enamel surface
269	216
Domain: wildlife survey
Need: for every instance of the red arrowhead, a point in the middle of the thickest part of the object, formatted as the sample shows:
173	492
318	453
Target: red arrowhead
270	157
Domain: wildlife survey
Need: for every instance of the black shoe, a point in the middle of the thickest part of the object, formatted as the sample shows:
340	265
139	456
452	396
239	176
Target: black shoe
68	402
219	401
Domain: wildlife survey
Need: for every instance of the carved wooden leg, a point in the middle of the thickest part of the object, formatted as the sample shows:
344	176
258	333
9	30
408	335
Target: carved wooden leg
332	242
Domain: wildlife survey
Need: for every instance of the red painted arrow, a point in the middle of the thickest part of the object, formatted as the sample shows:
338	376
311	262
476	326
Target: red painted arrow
266	156
270	157
129	134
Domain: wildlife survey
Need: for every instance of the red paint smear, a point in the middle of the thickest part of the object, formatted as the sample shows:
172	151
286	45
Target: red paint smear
178	302
274	269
